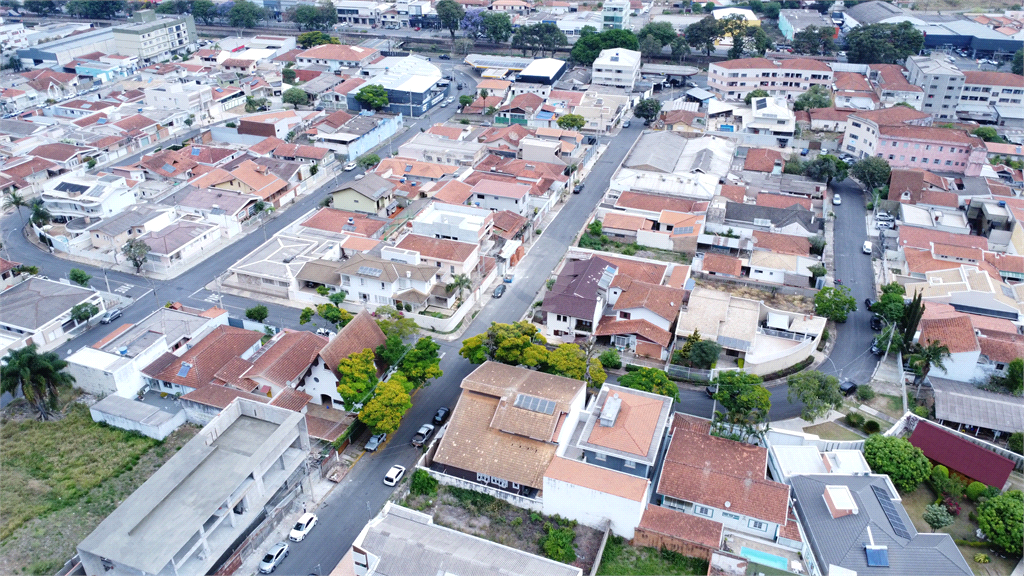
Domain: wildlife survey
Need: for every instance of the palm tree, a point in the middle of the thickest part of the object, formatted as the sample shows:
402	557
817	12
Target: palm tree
40	215
934	354
459	282
15	200
39	377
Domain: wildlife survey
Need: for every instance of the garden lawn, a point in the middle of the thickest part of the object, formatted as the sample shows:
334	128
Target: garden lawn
48	466
621	559
833	431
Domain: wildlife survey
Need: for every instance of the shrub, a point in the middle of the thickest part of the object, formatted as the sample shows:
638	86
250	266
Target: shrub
921	411
865	392
1001	519
855	419
610	359
423	484
951	505
534	517
975	490
872	426
1016	442
408	307
517	521
981	558
941	471
559	544
791	370
632	367
906	464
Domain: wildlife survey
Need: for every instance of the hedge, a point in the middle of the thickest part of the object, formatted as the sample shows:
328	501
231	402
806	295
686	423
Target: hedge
791	370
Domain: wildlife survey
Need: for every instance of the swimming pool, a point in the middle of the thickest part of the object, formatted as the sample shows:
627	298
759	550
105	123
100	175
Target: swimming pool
777	562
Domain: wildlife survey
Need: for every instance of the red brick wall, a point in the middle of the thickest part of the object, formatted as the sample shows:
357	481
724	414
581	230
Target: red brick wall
643	537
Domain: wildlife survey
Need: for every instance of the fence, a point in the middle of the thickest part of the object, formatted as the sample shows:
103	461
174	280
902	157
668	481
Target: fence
513	499
659	541
690	374
264	523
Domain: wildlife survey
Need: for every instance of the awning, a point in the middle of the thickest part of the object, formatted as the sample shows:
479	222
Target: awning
778	321
718	107
412	296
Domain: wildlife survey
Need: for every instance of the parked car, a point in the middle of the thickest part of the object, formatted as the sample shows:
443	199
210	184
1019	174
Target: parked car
499	291
443	56
867	247
876	323
837	199
444	104
711	390
422	435
578	188
442	415
350	166
868	303
625	124
273	558
875	349
459	86
885	225
110	316
394	476
847	388
303	525
884	217
375	441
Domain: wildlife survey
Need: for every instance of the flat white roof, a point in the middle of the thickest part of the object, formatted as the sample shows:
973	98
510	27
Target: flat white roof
841	497
543	67
93	358
625	57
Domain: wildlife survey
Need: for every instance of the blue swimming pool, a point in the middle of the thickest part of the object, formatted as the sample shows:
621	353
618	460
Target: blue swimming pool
777	562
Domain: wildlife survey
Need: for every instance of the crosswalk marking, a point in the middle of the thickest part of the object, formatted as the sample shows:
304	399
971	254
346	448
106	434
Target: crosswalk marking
124	288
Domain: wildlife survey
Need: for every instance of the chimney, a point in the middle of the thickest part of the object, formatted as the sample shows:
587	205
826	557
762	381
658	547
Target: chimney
839	501
610	411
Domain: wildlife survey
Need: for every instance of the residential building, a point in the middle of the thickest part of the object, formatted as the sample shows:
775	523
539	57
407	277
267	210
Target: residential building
574	305
792	21
353	136
427	147
395	278
201	364
176	521
617	67
768	115
454	222
228	209
457	257
787	461
155	38
321	383
372	195
358	12
413	83
66	156
794	220
277	123
388	541
495	195
891	86
72	196
858	524
195	99
734	79
603	108
969	289
179	244
669	164
111	233
852	90
615	14
639	317
510	411
337	56
984	92
941	82
38	311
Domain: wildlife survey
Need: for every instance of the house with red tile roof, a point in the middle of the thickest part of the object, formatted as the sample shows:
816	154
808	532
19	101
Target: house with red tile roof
852	90
199	365
892	87
642	317
283	362
321	381
722	265
734	79
457	257
764	160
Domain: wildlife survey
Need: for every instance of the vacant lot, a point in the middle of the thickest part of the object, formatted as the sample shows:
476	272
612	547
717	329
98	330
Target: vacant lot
833	431
621	559
61	478
791	303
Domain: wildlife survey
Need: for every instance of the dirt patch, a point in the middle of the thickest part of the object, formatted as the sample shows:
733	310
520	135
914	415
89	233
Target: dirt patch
833	431
499	521
787	302
42	545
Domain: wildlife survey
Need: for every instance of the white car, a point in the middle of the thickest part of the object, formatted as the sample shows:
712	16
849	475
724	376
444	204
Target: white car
273	558
867	247
394	475
350	166
836	200
302	527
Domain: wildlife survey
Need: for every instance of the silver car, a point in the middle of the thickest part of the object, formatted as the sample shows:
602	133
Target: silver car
273	558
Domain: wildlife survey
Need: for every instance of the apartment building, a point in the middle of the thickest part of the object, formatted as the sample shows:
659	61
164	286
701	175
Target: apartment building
616	14
892	87
992	88
155	39
192	98
941	82
861	134
617	67
358	11
734	79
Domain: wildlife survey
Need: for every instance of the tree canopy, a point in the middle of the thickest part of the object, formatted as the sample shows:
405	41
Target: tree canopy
757	93
826	168
872	171
571	122
834	303
663	31
391	400
135	251
818	392
883	43
319	17
245	14
1001	519
357	375
98	9
647	109
314	38
543	37
421	362
906	464
817	96
295	97
745	400
394	323
814	40
38	376
497	26
515	344
703	34
1017	66
451	13
650	380
590	44
373	96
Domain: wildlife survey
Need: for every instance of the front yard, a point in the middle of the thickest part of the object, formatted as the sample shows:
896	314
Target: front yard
62	477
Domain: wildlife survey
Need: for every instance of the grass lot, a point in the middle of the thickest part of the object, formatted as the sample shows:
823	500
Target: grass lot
962	529
621	559
833	431
791	303
61	478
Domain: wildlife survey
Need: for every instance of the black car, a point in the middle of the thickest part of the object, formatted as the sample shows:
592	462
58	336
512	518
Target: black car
711	390
875	349
445	57
847	388
876	323
499	291
578	188
459	86
442	415
868	303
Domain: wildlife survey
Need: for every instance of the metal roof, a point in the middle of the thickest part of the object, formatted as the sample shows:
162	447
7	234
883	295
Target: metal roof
966	404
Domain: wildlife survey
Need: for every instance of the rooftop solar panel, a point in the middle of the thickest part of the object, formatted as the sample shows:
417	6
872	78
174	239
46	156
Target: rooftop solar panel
534	404
370	271
877	555
183	371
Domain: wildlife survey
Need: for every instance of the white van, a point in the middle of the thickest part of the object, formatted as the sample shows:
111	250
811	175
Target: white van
867	247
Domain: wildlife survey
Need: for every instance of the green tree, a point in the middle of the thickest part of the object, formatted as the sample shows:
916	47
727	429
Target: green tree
295	96
650	47
40	216
703	34
559	544
937	516
883	43
650	380
204	10
906	464
373	96
934	353
390	402
460	282
872	172
257	104
357	375
704	353
911	317
316	38
647	109
818	392
771	10
450	13
571	361
135	251
423	484
1017	67
96	9
988	134
663	31
1014	379
834	303
13	199
245	14
1016	442
422	363
368	161
257	313
826	168
514	344
542	37
687	347
338	297
288	76
465	100
814	40
41	7
590	44
817	96
890	339
333	314
392	350
890	307
38	377
306	315
758	93
680	49
172	7
83	312
610	359
497	26
745	400
1001	520
571	122
392	322
80	277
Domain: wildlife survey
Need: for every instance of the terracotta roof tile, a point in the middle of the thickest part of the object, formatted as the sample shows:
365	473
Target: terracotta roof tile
782	201
291	399
956	333
221	396
206	357
895	116
360	333
1003	350
438	248
956	251
722	264
914	237
683	526
662	300
454	192
623	221
609	326
339	52
733	193
763	160
231	374
597	478
643	271
286	358
634	427
992	78
334	220
782	243
688	423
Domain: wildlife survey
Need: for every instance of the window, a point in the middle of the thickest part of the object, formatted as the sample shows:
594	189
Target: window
894	144
623	315
600	457
731	515
924	160
757	525
892	156
949	162
561	318
703	510
629	464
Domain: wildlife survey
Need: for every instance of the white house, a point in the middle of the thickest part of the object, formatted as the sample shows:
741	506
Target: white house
617	67
497	196
38	311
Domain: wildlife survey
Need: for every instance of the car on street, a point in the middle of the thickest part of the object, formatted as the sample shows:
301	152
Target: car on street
578	188
625	124
442	415
422	435
350	166
375	441
875	349
444	104
691	84
110	316
302	527
273	558
867	247
394	476
876	322
868	303
499	291
847	388
443	56
459	86
837	199
711	390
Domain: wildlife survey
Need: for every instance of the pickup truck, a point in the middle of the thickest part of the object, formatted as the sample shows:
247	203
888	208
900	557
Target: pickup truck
422	435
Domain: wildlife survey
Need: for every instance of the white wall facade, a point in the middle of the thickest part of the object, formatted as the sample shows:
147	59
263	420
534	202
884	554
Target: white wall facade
591	507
